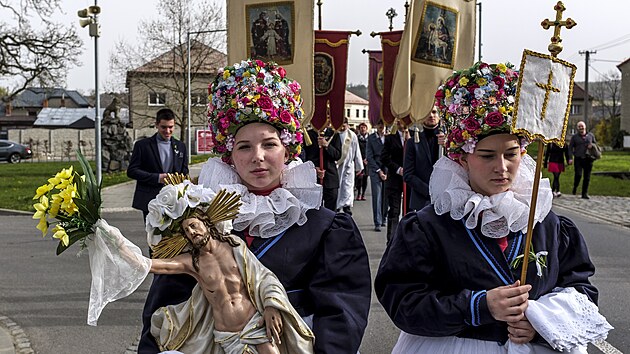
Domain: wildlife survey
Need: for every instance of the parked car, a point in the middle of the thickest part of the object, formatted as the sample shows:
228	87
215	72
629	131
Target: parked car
14	152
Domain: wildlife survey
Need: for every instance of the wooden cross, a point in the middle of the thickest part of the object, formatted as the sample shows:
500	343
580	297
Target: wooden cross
548	87
555	47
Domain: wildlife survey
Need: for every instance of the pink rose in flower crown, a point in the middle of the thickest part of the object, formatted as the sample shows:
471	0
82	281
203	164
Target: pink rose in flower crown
498	81
285	117
471	124
494	119
260	63
265	103
282	72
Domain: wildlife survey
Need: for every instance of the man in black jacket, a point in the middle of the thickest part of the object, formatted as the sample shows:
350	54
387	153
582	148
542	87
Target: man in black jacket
378	175
331	145
153	158
392	158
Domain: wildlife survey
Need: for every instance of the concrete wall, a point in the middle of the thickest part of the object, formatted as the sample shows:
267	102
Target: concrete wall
60	144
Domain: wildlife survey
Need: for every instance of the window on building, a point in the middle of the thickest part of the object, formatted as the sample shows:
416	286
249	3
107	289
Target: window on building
576	109
198	99
357	113
347	112
157	99
365	113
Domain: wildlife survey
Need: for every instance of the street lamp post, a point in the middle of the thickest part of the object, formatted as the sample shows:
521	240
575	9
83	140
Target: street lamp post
188	83
89	17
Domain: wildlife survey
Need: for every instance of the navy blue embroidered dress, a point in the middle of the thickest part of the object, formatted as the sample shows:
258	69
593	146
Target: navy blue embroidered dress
433	277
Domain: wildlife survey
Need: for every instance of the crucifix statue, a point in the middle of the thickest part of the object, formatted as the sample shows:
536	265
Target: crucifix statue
556	47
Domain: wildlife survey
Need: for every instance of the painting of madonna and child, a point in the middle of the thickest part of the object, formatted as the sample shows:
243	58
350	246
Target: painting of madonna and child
271	31
435	41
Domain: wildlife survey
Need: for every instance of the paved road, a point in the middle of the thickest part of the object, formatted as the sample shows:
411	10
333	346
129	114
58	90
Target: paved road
46	296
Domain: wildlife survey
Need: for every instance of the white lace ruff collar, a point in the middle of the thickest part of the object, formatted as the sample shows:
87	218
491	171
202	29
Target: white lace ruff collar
268	216
502	213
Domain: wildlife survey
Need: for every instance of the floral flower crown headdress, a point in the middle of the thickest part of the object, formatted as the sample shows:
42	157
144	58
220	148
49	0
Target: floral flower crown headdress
254	91
475	103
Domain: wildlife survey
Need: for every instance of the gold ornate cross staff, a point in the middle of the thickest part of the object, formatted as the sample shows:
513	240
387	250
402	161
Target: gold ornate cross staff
548	87
554	48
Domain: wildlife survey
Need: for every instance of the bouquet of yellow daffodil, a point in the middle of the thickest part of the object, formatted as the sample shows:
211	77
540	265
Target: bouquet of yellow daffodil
71	202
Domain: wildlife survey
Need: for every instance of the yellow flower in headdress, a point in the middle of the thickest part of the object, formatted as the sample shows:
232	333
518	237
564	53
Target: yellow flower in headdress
246	74
481	81
447	93
463	81
226	74
502	110
60	234
502	68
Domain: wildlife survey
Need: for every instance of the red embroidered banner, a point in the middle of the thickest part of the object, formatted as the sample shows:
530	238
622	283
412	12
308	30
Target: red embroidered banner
375	85
390	42
330	65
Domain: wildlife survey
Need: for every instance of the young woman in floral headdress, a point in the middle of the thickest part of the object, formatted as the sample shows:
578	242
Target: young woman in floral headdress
448	279
319	256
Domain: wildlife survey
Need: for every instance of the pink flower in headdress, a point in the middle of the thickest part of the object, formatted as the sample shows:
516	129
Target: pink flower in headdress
230	114
498	80
265	103
456	135
282	72
260	75
471	124
298	137
294	86
260	63
494	119
471	88
285	117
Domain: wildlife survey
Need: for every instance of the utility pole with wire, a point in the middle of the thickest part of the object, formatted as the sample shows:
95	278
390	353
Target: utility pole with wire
587	54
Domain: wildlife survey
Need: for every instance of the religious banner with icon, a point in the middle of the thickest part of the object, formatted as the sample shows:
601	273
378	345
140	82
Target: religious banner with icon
271	30
543	97
375	85
439	37
330	64
390	44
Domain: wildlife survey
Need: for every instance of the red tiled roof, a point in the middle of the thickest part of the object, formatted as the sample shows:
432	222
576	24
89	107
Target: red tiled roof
351	98
172	60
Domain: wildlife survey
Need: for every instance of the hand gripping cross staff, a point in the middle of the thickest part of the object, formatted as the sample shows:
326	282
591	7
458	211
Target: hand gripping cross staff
543	101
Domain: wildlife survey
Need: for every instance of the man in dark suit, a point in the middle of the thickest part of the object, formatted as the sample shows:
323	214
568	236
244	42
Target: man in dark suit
331	144
378	175
151	160
392	158
419	160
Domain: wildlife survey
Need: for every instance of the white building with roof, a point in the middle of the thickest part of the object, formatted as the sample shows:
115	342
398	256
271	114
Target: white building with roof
356	110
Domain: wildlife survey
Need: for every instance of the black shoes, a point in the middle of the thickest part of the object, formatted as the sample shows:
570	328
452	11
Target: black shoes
585	196
377	228
347	210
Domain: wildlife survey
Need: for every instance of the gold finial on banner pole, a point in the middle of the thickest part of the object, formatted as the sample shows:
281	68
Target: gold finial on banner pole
391	13
554	48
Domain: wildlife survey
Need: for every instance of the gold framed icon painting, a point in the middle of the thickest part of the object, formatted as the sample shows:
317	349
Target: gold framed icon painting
435	40
271	31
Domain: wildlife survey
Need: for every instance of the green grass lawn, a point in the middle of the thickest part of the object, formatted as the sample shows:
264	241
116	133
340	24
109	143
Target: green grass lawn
611	161
18	182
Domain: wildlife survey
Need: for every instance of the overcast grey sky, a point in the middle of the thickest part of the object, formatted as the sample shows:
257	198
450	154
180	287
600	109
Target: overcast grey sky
508	27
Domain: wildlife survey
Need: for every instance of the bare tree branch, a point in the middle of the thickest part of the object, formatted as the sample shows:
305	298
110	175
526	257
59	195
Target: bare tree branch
29	56
168	33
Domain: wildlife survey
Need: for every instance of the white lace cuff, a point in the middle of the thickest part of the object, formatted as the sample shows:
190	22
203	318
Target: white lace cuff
567	319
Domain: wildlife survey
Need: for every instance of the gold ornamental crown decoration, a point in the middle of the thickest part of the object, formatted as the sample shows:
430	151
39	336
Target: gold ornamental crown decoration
223	207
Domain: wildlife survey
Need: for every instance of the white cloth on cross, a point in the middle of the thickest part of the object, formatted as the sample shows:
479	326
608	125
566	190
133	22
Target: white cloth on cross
544	96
